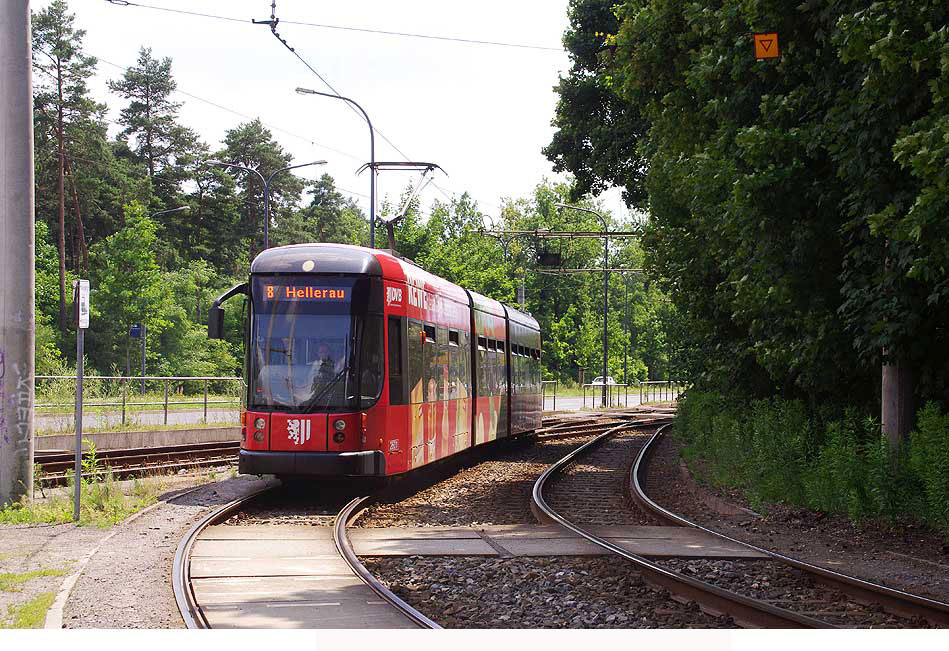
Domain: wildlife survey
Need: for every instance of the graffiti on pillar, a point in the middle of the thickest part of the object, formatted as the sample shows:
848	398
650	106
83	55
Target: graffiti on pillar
3	418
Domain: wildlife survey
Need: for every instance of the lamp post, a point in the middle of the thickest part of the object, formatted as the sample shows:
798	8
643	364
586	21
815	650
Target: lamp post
170	210
266	184
627	276
372	159
606	286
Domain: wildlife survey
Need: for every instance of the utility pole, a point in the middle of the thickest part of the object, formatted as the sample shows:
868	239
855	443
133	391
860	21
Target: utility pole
606	288
17	288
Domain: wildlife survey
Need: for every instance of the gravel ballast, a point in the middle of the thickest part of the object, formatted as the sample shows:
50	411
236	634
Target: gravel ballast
535	592
492	492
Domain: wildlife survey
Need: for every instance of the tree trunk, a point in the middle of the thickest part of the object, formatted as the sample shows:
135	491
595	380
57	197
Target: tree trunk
62	201
898	408
83	249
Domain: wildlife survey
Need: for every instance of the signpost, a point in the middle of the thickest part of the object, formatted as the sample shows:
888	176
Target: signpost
138	331
81	302
766	46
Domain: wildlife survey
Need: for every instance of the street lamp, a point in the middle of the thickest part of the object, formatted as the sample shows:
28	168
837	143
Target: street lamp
266	184
170	210
372	159
626	278
606	286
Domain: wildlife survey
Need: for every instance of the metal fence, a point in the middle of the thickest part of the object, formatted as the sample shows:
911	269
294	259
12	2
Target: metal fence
614	392
115	391
660	390
649	391
545	392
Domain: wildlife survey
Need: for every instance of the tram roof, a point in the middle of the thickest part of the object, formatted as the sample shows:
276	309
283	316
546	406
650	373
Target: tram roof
349	259
325	258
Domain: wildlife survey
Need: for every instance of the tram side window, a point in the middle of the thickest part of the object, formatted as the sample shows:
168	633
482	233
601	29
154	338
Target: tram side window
441	365
416	337
454	363
492	367
429	364
464	372
396	377
370	363
482	362
535	366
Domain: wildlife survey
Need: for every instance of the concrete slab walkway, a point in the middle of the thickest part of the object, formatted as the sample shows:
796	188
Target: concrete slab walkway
291	576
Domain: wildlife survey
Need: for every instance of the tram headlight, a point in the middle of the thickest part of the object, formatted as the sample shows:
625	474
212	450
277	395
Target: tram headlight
339	424
258	436
259	423
339	437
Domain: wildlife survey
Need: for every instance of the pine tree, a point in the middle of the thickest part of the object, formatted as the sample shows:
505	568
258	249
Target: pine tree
63	110
151	116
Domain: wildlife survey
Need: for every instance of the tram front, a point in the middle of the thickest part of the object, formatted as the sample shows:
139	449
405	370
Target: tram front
314	361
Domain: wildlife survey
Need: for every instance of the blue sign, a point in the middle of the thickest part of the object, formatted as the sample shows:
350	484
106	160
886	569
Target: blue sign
135	332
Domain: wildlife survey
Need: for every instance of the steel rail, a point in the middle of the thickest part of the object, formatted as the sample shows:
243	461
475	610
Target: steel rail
345	547
593	430
711	598
891	599
188	606
123	463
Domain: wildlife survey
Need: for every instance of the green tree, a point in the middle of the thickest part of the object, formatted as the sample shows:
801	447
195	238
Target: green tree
776	189
151	116
62	108
329	217
252	145
127	287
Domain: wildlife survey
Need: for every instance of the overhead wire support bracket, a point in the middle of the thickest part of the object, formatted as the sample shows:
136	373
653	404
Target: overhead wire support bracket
544	233
411	166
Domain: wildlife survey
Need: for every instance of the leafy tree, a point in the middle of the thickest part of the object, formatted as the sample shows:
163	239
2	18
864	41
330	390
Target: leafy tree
252	145
127	287
329	217
793	203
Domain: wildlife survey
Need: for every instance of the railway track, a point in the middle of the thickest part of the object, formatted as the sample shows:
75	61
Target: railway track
799	604
134	462
195	615
124	463
892	600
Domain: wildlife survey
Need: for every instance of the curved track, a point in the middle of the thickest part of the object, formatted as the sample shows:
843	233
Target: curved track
892	600
711	598
191	611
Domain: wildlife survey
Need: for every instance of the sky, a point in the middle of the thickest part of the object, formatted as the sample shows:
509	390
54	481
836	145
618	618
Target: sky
481	112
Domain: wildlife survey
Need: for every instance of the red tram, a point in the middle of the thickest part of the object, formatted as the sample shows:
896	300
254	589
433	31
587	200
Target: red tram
359	363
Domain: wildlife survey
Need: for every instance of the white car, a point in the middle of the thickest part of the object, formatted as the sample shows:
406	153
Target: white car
598	380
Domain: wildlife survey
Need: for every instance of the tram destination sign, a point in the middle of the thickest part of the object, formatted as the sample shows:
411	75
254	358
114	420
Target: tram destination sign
304	293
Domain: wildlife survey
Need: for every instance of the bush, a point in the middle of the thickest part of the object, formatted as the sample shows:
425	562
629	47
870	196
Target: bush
929	461
778	451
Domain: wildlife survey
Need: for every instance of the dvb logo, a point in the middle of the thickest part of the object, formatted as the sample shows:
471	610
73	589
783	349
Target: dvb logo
393	295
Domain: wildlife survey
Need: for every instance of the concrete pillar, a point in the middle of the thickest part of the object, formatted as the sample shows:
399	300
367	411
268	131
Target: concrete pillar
16	254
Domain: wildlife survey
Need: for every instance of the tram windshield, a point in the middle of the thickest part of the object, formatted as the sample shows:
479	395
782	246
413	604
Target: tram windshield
314	345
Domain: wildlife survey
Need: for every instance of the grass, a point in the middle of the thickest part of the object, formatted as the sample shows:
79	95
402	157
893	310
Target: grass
102	504
102	501
11	582
32	614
